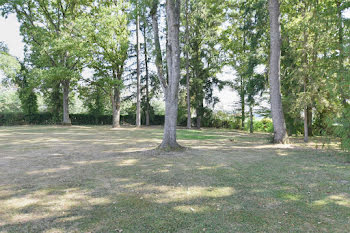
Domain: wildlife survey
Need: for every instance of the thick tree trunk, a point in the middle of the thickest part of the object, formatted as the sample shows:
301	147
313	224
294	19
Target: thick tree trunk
138	94
251	127
280	132
66	119
147	84
115	99
173	62
188	98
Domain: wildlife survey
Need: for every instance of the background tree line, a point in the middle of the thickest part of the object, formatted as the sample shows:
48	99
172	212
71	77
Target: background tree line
139	51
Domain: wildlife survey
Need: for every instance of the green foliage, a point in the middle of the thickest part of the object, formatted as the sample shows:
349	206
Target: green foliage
205	58
94	99
29	101
9	65
9	101
343	129
220	120
263	125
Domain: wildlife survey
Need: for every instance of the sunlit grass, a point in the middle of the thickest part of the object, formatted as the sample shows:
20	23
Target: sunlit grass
94	179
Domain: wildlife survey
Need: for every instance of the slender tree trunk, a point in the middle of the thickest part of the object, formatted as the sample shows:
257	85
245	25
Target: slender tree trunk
172	86
251	127
159	59
309	120
306	70
138	94
147	84
66	119
188	97
242	102
280	132
306	133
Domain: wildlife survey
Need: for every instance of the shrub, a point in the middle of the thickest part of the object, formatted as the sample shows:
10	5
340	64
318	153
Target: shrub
342	129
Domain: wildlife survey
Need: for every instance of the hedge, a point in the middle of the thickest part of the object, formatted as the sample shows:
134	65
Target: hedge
46	118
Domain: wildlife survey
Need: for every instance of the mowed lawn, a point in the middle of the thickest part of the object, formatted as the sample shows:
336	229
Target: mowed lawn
95	179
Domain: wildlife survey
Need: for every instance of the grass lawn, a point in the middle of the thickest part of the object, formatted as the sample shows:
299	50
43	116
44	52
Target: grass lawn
95	179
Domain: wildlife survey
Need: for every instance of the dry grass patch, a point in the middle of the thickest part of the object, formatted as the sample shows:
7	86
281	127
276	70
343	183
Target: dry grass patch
94	179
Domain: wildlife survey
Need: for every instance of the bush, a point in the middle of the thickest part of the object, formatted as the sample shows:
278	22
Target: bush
264	125
343	129
220	120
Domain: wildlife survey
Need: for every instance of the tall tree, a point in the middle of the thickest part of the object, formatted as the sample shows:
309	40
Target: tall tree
280	132
171	85
49	30
107	34
138	84
204	26
188	97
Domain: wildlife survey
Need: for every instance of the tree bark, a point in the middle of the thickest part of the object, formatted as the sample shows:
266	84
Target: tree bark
306	132
147	84
115	99
116	108
138	94
242	95
198	118
66	119
171	88
306	65
159	59
188	98
280	132
309	120
251	127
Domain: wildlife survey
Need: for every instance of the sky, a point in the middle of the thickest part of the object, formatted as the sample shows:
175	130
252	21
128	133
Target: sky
10	34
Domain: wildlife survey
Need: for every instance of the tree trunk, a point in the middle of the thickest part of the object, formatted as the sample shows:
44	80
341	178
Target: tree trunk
159	59
115	98
188	98
147	84
242	95
306	65
280	132
138	94
306	134
309	120
251	127
66	119
198	118
173	62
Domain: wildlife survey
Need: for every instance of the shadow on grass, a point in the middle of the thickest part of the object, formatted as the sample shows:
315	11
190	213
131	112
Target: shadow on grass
219	186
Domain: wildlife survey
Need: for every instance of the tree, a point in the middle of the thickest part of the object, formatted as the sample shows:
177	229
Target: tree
18	74
204	19
107	36
280	132
171	85
188	96
9	65
50	31
245	43
138	85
